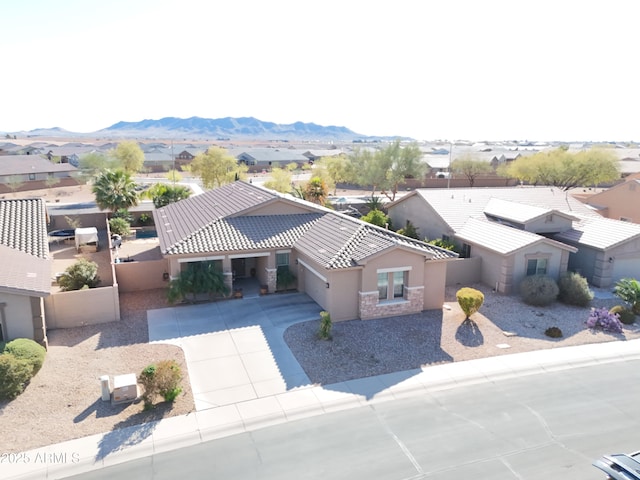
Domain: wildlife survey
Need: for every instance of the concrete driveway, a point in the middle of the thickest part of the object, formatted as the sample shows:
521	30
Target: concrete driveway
235	349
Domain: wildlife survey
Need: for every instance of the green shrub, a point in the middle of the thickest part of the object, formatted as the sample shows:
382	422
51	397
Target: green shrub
119	226
28	350
574	290
625	314
553	332
470	300
446	244
161	379
539	290
80	275
14	375
324	332
377	217
628	289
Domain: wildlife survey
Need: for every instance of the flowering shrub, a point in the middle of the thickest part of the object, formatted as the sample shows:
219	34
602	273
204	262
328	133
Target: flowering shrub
602	318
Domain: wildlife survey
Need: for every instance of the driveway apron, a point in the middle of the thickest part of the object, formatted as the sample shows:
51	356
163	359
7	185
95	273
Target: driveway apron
235	349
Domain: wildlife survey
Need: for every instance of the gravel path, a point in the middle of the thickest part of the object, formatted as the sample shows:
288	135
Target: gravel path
374	347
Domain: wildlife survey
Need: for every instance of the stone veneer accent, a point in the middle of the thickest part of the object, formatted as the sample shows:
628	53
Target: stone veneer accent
371	307
272	278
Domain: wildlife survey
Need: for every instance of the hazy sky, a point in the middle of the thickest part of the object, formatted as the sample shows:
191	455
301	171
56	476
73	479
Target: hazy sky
445	69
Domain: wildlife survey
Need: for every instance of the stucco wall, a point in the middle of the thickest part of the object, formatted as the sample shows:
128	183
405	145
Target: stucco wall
137	276
464	271
435	276
18	316
415	209
622	201
558	223
82	307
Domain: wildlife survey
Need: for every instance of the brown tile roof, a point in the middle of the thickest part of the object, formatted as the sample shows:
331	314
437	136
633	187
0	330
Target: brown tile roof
221	220
24	247
23	226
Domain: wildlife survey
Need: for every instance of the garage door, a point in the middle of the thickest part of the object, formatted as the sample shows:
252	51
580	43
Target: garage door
315	287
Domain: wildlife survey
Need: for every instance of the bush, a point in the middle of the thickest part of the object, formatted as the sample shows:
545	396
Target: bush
574	290
82	274
628	289
119	226
377	217
626	315
470	300
28	350
14	375
601	318
161	379
553	332
539	290
324	332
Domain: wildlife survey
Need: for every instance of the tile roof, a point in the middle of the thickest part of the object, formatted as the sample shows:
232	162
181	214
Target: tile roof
515	211
24	247
599	232
220	220
179	220
23	226
456	205
24	274
501	238
247	233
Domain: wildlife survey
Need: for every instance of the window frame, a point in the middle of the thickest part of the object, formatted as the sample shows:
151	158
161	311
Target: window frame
395	288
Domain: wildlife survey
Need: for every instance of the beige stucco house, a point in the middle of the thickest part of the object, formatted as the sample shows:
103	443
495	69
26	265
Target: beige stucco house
620	202
25	276
520	231
352	269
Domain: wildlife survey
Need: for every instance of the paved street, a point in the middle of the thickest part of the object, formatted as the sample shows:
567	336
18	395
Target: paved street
535	427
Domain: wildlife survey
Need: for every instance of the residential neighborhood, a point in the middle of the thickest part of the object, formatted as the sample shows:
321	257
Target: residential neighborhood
284	261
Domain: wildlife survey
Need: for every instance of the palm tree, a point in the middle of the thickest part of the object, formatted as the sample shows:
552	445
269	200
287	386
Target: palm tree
115	190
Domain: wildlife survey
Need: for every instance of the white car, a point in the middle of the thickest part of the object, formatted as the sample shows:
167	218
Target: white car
620	466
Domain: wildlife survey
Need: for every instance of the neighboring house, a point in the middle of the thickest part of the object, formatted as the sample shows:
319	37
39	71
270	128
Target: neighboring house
25	276
25	168
620	202
519	231
258	159
315	155
350	268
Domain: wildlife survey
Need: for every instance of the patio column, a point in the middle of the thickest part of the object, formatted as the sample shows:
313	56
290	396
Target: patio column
228	274
272	275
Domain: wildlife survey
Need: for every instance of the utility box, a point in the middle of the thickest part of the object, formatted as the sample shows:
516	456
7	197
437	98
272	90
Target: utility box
105	386
125	388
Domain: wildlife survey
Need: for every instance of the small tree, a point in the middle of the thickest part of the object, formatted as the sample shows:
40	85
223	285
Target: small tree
28	350
628	289
409	230
574	290
82	274
376	217
470	300
119	226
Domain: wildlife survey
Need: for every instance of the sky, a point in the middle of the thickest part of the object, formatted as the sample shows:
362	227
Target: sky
476	70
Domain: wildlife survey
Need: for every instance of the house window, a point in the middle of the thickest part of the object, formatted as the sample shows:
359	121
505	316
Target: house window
383	286
282	259
466	251
391	285
32	176
536	266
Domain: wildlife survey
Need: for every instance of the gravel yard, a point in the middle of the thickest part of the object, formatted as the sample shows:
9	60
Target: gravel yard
63	402
374	347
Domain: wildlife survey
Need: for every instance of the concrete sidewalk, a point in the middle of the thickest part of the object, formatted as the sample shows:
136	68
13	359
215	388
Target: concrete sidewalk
216	419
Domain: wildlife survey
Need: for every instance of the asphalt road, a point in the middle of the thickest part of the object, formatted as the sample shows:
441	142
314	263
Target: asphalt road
547	426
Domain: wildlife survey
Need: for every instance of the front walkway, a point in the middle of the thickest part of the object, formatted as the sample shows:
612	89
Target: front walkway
235	349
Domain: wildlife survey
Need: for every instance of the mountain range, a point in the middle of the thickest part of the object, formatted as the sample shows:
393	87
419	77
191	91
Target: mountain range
220	128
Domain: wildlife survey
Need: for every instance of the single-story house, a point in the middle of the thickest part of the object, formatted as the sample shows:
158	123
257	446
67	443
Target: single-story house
352	269
258	159
26	168
25	276
519	231
620	202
